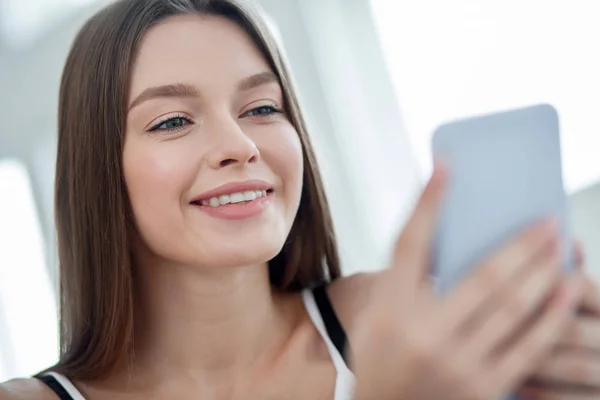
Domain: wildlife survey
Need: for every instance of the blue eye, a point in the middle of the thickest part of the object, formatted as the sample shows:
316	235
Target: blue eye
263	111
171	124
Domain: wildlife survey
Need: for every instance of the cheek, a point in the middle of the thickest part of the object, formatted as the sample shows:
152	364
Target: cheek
284	156
156	175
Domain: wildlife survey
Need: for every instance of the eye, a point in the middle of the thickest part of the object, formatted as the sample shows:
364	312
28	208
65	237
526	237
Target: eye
263	111
171	124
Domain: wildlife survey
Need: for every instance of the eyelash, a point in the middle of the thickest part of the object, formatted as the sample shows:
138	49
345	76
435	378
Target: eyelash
157	127
271	108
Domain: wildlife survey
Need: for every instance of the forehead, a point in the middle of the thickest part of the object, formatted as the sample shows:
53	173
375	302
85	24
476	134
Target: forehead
208	51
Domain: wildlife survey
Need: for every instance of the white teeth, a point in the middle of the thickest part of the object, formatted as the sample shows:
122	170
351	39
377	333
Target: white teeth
250	195
239	197
224	199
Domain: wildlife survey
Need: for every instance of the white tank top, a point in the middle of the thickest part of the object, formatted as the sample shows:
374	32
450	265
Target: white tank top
344	385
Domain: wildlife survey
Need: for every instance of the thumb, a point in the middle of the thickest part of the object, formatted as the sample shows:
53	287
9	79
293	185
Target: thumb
412	250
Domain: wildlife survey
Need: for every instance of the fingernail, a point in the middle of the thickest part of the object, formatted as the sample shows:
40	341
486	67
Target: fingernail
438	163
570	294
573	291
559	251
439	170
555	247
577	255
564	296
437	180
550	224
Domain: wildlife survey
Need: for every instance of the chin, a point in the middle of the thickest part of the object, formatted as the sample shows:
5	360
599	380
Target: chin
239	251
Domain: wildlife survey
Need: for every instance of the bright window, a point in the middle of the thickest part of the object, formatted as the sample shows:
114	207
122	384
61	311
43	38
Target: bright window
451	59
22	21
28	312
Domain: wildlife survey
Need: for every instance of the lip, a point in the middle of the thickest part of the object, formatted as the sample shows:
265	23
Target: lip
237	211
233	187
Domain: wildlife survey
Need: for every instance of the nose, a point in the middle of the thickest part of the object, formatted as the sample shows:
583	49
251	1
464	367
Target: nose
232	146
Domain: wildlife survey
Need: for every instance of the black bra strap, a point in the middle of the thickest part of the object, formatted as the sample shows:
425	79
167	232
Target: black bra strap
332	323
55	386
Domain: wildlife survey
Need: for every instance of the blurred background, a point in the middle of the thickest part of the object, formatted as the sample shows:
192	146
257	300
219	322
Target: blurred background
376	77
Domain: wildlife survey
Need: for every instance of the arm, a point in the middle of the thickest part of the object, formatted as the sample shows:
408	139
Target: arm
25	389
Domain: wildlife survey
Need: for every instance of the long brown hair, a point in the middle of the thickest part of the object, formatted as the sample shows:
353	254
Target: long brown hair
93	214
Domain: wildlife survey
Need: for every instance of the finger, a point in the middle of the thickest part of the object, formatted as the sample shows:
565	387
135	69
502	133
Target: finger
570	368
591	297
582	334
411	254
538	393
498	272
517	304
521	359
579	254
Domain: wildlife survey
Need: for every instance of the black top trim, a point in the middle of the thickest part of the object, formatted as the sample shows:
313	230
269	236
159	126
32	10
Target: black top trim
332	323
55	386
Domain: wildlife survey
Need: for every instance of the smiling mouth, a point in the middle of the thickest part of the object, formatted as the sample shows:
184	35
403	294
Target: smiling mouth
240	198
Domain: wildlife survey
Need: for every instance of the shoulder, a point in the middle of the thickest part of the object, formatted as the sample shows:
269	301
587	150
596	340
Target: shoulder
349	295
25	389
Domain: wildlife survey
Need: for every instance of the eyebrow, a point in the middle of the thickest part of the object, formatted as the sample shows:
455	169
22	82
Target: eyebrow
253	81
183	90
180	90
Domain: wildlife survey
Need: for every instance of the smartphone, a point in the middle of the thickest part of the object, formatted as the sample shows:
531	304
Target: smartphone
504	174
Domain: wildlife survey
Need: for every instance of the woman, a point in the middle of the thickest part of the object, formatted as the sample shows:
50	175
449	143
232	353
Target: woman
197	254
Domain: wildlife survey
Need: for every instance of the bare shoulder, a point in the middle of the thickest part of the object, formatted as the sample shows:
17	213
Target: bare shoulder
349	295
25	389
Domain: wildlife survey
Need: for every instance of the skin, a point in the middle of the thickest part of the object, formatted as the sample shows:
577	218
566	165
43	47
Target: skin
208	323
572	372
502	326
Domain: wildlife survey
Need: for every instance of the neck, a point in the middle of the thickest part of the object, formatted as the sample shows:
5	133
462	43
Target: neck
207	323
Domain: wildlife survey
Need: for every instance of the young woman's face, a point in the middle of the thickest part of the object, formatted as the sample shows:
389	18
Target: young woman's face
212	164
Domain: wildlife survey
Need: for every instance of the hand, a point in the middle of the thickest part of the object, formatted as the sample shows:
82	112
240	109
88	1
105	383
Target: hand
572	372
479	342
